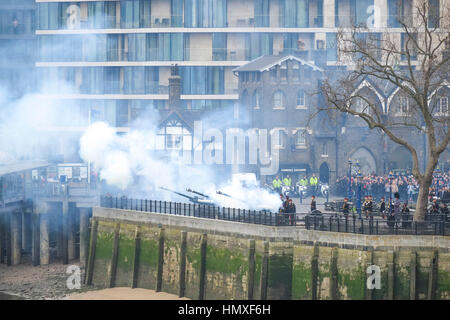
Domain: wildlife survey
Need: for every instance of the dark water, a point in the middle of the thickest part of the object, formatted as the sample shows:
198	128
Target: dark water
4	296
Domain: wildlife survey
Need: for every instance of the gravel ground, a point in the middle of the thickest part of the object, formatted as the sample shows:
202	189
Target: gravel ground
40	282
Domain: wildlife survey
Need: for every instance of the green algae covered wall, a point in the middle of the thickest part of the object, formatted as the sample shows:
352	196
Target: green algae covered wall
103	253
197	265
302	272
227	268
279	281
148	257
443	277
193	263
352	266
172	259
125	256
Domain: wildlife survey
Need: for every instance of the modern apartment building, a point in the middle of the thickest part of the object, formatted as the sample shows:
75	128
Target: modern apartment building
115	56
17	46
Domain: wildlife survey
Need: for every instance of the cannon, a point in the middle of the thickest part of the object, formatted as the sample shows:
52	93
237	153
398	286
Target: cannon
197	193
193	199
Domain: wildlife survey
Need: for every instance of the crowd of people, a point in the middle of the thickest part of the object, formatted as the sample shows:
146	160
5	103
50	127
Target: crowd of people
380	186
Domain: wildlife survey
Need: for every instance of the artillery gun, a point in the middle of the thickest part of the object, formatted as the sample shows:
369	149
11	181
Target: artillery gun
193	199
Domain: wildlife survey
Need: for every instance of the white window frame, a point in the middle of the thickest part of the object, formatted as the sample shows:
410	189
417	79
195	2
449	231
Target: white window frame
257	100
440	110
400	110
300	106
282	107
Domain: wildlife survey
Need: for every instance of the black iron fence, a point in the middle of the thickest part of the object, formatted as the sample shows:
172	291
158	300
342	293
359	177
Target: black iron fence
262	217
433	225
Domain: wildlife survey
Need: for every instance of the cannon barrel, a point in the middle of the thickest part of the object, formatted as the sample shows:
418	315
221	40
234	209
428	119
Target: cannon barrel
196	192
223	194
193	199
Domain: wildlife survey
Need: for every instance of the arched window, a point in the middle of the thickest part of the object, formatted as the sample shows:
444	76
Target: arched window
255	100
301	103
278	100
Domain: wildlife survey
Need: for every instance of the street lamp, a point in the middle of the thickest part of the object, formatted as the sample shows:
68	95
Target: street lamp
391	177
358	202
349	179
438	172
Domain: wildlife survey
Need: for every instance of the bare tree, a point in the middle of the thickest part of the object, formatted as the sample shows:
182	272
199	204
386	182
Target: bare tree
417	64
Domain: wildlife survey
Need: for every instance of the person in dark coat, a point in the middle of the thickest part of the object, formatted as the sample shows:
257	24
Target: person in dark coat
345	207
383	208
313	203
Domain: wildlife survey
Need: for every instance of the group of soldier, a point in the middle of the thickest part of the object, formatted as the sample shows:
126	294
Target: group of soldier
277	183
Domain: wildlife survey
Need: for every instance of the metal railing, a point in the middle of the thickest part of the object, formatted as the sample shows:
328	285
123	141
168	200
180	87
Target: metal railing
200	210
433	225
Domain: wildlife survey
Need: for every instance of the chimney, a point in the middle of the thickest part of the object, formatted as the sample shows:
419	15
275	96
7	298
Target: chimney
174	88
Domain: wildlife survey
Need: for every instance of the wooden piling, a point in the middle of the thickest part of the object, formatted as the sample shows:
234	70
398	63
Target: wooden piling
264	271
160	260
251	269
183	251
314	272
92	247
203	248
432	278
413	276
115	254
137	251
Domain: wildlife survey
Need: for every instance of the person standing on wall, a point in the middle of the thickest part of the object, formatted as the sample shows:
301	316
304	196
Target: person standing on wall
313	203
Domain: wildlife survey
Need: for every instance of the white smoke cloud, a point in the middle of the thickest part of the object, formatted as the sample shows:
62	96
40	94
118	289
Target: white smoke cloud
129	162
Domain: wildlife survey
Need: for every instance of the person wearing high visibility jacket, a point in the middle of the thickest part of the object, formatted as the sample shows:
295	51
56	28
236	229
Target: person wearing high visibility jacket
313	181
287	181
276	183
303	182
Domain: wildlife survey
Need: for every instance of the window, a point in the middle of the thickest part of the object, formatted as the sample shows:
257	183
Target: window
283	72
361	106
135	14
433	14
273	74
255	100
332	51
402	107
262	9
278	100
281	137
442	106
301	138
399	11
408	46
301	99
200	13
174	136
324	149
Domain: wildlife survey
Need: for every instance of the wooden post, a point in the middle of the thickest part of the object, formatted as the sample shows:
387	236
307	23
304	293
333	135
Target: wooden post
314	272
251	269
413	276
137	250
71	234
84	236
92	247
2	237
264	271
183	251
391	277
16	237
65	232
36	233
160	260
203	248
334	275
44	239
432	279
369	293
8	238
115	253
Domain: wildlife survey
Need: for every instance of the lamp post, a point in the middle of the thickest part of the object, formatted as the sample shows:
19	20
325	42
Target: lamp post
438	178
390	176
358	202
349	179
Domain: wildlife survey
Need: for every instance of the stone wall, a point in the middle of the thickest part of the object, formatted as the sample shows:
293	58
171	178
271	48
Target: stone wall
207	259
